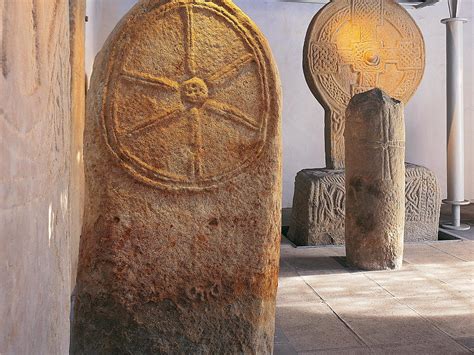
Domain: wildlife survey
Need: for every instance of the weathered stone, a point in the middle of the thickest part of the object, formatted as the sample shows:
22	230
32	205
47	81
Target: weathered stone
353	46
180	245
375	183
317	216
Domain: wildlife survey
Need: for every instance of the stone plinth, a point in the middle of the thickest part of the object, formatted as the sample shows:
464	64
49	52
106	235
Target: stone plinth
375	181
319	203
180	244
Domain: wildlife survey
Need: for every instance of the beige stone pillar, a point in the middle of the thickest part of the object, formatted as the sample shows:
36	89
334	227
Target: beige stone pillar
180	244
34	177
77	12
375	181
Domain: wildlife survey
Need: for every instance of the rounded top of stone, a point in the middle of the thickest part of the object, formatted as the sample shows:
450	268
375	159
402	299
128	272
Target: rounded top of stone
190	87
374	95
362	106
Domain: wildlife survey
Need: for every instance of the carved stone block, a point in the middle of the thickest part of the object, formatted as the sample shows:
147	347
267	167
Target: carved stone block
180	244
353	46
319	202
317	215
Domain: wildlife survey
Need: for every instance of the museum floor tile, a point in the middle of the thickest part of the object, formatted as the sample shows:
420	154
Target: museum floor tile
324	307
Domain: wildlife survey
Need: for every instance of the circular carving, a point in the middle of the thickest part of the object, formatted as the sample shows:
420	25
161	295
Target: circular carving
353	46
362	44
187	100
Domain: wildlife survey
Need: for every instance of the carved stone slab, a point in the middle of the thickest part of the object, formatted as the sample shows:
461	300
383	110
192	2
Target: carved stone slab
319	202
180	245
353	46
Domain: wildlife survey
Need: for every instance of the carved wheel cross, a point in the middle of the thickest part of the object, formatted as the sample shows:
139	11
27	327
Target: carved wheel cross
196	99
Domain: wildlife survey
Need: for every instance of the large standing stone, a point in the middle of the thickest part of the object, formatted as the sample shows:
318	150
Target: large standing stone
180	244
353	46
375	183
318	212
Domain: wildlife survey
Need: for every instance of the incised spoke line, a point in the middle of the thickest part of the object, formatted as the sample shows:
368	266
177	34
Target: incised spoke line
231	69
387	169
231	112
189	23
197	142
385	145
147	79
156	121
385	130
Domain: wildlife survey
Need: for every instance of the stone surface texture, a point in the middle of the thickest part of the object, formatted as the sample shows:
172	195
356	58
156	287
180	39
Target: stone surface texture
375	182
35	164
317	216
353	46
180	244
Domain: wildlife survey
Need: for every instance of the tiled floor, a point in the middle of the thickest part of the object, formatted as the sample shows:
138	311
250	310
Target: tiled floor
426	308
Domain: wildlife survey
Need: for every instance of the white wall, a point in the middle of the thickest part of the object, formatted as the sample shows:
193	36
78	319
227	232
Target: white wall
35	169
285	26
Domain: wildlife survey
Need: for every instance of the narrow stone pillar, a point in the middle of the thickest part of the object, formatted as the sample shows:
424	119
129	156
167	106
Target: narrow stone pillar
375	181
180	245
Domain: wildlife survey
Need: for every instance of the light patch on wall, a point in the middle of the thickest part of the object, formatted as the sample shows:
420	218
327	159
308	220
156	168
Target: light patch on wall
50	224
78	157
64	200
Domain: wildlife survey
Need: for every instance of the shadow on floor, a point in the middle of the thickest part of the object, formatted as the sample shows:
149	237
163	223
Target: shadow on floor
324	307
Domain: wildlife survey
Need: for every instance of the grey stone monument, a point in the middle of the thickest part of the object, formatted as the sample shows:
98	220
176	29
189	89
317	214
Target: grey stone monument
375	184
338	66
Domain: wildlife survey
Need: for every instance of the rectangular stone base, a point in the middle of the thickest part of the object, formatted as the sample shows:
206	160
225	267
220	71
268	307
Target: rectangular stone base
319	201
